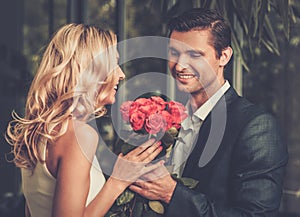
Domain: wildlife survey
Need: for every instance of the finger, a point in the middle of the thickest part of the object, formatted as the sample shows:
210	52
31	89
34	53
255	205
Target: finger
141	184
149	147
138	182
152	167
140	190
150	153
136	189
160	172
141	148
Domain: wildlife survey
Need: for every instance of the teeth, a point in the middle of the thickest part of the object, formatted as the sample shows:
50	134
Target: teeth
185	76
115	87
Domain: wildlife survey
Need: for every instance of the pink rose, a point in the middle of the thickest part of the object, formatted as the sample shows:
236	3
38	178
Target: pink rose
168	119
155	123
148	109
137	120
125	108
160	103
148	106
153	114
142	101
178	113
134	107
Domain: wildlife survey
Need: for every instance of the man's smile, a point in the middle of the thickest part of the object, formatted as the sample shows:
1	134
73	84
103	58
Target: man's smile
185	75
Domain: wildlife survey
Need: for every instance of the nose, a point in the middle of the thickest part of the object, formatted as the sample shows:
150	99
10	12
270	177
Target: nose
181	64
121	73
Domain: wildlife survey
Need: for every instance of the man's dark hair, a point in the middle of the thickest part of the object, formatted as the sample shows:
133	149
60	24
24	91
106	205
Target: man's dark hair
204	19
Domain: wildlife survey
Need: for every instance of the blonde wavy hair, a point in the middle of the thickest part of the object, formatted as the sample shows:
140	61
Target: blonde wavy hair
73	79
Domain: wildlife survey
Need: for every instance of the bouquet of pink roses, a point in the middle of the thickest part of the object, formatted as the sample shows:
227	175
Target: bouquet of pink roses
154	116
148	117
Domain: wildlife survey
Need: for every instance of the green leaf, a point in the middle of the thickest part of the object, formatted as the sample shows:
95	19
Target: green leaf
254	13
262	13
240	13
173	131
295	10
186	181
272	45
237	48
156	206
169	137
189	182
283	8
125	197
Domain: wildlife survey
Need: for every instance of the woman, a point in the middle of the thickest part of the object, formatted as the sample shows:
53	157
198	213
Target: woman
53	144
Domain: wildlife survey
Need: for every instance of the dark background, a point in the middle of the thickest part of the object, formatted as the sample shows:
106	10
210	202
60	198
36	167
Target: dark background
272	80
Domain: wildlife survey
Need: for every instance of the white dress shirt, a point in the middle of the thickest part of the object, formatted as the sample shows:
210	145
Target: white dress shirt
190	127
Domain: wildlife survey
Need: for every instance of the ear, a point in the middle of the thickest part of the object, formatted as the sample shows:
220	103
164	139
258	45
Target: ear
226	55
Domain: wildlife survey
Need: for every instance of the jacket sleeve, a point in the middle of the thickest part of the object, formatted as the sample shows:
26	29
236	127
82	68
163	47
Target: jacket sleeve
256	182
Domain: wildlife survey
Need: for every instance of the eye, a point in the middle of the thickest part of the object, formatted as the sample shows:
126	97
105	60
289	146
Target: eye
173	52
194	54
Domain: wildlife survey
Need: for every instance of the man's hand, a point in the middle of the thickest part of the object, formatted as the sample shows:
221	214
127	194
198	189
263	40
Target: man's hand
156	185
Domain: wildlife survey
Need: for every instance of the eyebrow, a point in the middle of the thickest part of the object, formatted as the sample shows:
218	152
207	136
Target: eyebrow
188	51
172	48
196	51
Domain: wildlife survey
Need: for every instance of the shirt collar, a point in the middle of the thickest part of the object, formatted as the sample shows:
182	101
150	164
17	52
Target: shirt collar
203	111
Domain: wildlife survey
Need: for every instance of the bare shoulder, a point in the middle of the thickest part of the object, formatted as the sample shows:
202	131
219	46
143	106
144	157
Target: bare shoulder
85	133
77	144
81	136
86	137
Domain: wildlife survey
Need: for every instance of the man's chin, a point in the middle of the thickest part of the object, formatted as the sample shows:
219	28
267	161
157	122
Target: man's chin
183	89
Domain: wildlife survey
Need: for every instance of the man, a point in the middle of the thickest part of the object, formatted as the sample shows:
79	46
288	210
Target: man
232	147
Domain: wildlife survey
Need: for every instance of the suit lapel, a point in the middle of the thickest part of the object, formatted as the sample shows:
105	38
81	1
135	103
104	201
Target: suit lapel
210	135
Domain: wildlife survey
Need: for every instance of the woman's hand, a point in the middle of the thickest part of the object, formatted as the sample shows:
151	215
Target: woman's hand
136	163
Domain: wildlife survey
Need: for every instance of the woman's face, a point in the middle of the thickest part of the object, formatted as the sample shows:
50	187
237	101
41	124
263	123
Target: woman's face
119	75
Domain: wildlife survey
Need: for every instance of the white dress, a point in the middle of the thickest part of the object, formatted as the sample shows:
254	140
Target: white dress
39	188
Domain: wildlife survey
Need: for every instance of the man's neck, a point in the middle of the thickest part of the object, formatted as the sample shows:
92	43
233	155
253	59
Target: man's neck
199	98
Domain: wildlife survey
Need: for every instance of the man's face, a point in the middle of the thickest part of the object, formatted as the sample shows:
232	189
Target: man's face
193	62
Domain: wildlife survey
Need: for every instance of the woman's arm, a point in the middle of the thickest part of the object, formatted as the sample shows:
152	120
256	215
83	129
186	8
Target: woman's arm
127	170
76	152
74	162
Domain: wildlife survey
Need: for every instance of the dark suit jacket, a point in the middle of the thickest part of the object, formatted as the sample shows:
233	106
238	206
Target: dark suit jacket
245	175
